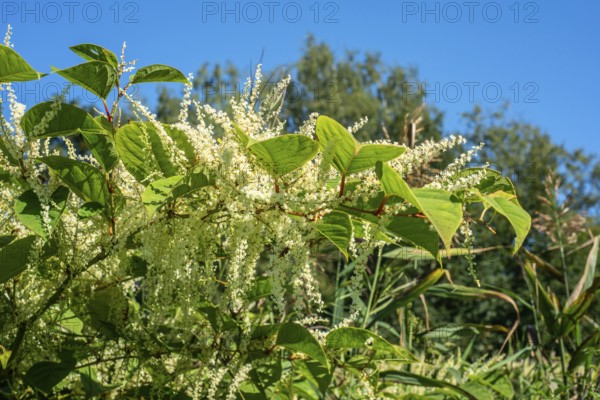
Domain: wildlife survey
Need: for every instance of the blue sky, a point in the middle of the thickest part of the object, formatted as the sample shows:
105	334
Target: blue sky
543	56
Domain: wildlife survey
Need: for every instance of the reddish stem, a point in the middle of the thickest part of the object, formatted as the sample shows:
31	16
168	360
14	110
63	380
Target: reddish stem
381	206
342	184
107	112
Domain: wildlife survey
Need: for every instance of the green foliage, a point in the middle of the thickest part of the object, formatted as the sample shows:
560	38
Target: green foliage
203	282
284	154
142	160
86	181
337	228
96	76
14	258
68	120
441	208
93	52
14	68
29	210
158	73
349	156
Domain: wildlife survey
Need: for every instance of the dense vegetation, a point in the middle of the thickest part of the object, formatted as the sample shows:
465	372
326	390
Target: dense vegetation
273	246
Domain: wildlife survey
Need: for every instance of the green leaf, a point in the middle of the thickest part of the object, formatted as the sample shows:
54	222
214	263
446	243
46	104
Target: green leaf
315	373
85	180
135	265
106	125
334	138
266	374
142	151
219	321
546	306
356	338
92	387
4	150
68	120
13	68
297	338
283	154
6	239
501	384
442	209
70	322
89	209
261	288
415	290
586	350
349	156
587	277
337	228
165	190
182	142
29	209
359	231
103	148
108	310
416	231
369	154
96	76
14	257
460	332
4	357
133	150
46	374
479	390
412	253
451	291
158	73
160	192
492	182
408	378
93	52
244	139
577	309
518	218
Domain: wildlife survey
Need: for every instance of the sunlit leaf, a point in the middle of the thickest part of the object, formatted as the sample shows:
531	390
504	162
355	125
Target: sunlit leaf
158	73
13	68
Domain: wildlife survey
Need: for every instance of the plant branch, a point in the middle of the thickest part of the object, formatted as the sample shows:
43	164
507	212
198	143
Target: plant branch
24	326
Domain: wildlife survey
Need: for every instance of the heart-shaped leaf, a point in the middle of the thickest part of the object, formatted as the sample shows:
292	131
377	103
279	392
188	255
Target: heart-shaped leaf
96	76
349	156
93	52
85	180
13	258
68	120
29	209
440	207
337	228
283	154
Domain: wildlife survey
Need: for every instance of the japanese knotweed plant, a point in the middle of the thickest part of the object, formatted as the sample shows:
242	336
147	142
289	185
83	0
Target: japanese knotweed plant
178	260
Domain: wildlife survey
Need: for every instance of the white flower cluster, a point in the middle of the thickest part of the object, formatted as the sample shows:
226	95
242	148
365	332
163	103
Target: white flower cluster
124	65
7	37
447	179
413	159
208	248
